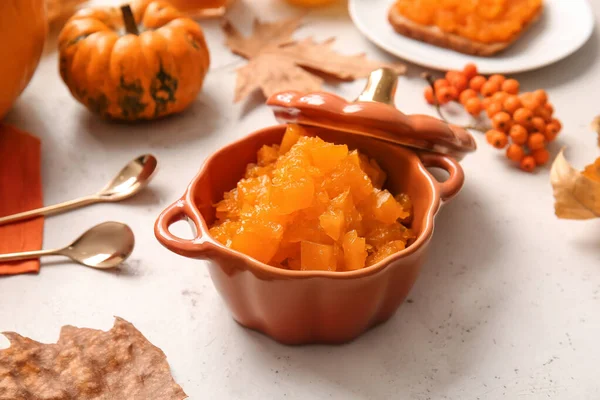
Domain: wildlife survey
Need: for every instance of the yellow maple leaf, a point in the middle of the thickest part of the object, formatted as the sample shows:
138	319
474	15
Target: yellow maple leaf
576	194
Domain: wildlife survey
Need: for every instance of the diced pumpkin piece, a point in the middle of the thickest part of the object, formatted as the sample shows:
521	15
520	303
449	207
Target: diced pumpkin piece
317	257
355	251
254	190
332	223
287	251
255	171
328	156
228	207
292	196
373	171
385	251
224	231
267	155
348	175
352	216
292	134
386	209
379	233
354	158
294	264
258	239
302	228
404	200
343	202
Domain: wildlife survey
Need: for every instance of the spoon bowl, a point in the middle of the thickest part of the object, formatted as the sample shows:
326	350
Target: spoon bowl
104	246
131	179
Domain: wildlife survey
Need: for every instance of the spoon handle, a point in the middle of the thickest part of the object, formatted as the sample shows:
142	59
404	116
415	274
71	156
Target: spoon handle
54	209
26	255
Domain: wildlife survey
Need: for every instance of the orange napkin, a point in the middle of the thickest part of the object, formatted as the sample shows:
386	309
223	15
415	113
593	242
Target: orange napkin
20	190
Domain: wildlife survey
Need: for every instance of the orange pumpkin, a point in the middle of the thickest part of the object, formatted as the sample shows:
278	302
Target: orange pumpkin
136	63
23	30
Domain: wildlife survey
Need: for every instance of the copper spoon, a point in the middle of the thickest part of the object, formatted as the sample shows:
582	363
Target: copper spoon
104	246
130	180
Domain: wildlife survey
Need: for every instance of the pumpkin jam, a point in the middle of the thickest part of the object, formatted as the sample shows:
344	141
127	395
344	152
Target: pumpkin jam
311	205
485	21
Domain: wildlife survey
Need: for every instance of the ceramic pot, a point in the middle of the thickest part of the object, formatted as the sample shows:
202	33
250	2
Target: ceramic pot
299	307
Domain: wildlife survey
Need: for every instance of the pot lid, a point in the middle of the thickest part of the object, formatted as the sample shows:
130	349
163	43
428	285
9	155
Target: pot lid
373	114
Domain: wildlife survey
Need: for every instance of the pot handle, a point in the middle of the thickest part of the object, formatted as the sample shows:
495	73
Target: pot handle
450	187
176	212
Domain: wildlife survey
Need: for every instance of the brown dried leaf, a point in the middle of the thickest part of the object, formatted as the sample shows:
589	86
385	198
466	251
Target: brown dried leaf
277	62
576	195
87	364
321	57
269	72
596	127
264	35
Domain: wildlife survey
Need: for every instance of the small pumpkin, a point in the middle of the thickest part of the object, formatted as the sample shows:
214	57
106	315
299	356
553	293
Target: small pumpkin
23	30
134	63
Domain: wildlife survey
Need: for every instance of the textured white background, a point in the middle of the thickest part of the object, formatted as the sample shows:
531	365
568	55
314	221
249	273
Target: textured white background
506	307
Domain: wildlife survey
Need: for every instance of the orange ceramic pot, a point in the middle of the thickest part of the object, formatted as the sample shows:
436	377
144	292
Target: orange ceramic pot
299	307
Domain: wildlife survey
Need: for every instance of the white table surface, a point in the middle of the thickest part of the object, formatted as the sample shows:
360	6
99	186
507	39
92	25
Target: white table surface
507	306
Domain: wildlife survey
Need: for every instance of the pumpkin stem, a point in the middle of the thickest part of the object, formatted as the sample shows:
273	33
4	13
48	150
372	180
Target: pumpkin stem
128	20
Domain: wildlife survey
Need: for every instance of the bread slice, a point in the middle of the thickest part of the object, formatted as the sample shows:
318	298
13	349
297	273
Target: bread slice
435	36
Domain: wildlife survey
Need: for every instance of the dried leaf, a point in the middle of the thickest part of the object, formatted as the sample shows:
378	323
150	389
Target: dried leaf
264	35
596	127
576	195
87	364
592	171
277	62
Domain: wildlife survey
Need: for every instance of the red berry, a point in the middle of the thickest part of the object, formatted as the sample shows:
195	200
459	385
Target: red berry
493	108
489	88
446	94
459	81
511	104
473	106
429	95
511	86
536	141
515	152
501	121
477	82
541	96
499	79
498	139
440	83
466	95
518	134
541	156
538	124
523	116
470	71
528	164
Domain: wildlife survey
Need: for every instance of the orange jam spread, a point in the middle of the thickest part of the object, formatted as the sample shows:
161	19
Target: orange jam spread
311	205
486	21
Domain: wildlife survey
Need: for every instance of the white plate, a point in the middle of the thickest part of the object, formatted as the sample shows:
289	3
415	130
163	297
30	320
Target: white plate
564	26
